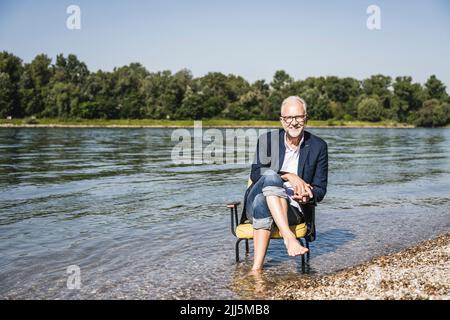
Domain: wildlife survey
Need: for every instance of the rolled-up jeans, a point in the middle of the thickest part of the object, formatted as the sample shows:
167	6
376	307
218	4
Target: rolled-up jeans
258	213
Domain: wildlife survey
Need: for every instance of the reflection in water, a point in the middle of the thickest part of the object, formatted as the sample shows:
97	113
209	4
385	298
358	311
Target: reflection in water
332	239
139	226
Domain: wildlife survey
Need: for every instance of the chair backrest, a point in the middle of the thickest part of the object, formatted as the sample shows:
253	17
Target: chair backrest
243	215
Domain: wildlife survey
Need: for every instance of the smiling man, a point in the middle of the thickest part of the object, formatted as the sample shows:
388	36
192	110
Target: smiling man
290	169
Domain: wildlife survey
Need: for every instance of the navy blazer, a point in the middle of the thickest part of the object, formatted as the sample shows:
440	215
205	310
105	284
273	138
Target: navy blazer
312	164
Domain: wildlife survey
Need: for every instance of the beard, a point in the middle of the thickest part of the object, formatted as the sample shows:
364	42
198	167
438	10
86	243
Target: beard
295	132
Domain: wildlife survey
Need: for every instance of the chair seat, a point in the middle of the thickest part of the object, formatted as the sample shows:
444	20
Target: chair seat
245	231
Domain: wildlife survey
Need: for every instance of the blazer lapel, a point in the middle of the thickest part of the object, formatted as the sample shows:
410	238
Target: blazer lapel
304	150
281	148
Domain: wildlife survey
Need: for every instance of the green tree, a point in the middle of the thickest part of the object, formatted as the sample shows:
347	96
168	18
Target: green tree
261	108
6	95
408	97
34	85
318	105
127	90
100	99
62	101
338	97
70	69
281	80
67	89
340	90
435	89
164	93
216	84
337	110
213	106
236	111
12	66
380	86
192	106
274	101
252	102
377	85
95	110
238	86
370	109
433	114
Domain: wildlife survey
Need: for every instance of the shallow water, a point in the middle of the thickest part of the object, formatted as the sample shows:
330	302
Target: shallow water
112	202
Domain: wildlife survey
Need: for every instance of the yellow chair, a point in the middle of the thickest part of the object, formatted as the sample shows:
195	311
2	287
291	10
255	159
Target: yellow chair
243	230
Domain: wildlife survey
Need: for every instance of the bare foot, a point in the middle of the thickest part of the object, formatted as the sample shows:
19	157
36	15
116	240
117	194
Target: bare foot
258	281
255	272
294	248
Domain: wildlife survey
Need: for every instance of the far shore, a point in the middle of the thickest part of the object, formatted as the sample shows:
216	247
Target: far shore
209	123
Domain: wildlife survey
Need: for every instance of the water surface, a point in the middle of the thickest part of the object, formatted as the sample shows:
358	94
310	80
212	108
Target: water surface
139	226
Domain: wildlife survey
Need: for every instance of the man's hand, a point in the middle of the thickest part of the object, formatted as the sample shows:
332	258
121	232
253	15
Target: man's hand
302	199
302	190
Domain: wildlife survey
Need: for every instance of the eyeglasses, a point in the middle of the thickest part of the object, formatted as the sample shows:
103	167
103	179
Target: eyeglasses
289	119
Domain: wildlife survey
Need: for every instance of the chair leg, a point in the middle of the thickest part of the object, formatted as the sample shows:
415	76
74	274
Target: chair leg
303	263
237	249
309	250
303	257
247	250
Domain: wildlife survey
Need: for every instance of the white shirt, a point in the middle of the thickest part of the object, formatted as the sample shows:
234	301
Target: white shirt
290	164
291	156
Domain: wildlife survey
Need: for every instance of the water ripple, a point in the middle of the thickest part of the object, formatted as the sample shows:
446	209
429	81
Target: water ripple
140	226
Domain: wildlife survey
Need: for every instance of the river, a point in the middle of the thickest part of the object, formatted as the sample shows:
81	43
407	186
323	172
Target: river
113	203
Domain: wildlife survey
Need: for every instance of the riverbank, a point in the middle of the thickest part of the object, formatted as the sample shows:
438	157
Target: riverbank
215	123
420	272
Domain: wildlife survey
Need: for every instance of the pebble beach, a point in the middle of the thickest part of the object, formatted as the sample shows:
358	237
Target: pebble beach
419	272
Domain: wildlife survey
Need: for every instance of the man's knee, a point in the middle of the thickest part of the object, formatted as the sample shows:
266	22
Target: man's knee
272	179
273	185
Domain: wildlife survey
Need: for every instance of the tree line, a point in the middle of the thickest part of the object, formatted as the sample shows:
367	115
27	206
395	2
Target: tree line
67	89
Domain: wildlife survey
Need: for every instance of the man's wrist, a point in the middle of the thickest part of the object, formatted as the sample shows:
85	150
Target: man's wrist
286	176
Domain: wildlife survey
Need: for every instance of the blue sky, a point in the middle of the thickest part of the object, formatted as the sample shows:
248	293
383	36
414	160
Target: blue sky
249	38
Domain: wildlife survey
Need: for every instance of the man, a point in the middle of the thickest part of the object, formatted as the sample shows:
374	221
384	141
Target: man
290	169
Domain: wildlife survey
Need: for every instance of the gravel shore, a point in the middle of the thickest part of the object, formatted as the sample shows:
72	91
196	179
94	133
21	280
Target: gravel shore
420	272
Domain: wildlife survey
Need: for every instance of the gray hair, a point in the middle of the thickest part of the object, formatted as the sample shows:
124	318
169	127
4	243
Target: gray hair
293	99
